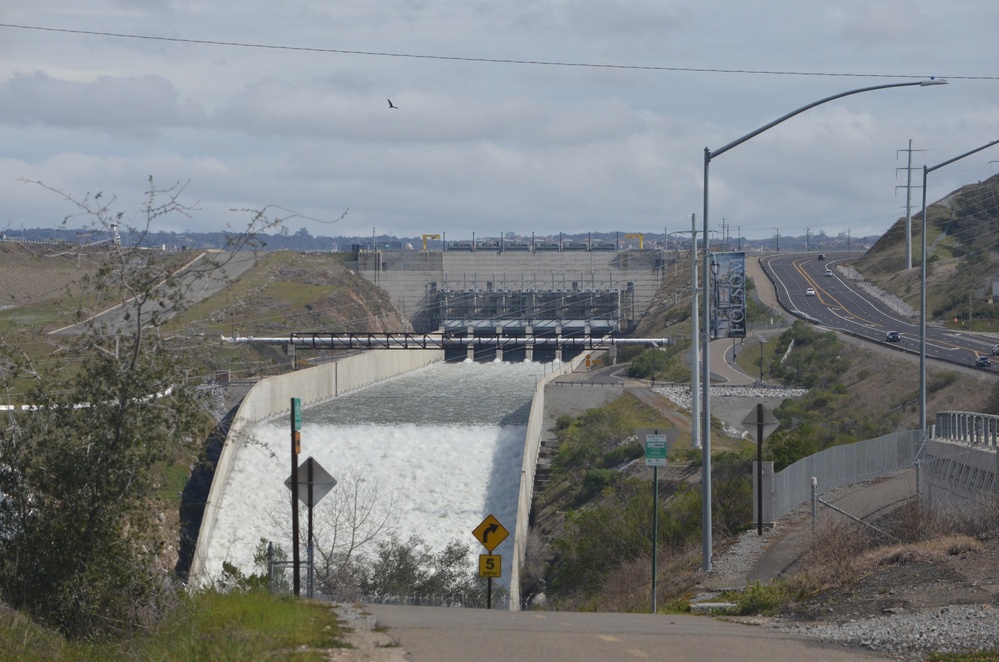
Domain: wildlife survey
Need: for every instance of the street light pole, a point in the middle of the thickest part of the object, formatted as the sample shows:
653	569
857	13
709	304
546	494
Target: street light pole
922	285
777	245
706	383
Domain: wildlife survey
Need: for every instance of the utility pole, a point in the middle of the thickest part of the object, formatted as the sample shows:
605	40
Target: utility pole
908	203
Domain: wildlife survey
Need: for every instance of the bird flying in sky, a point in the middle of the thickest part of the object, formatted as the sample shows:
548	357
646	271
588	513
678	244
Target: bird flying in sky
392	106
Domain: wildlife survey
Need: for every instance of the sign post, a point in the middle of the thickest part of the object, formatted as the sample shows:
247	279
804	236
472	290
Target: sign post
490	533
761	421
296	448
317	483
656	449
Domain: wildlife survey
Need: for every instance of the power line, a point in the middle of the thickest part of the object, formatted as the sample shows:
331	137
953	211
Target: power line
479	60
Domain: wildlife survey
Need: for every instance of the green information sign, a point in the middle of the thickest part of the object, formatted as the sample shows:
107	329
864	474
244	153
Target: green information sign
296	412
656	450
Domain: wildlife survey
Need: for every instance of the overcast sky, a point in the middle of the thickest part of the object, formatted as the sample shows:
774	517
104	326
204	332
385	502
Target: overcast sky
296	115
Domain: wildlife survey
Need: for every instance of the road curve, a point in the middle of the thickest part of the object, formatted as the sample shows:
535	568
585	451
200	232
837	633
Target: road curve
838	304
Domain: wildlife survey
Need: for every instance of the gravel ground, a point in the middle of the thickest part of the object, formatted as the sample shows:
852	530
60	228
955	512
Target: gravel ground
903	633
913	636
731	404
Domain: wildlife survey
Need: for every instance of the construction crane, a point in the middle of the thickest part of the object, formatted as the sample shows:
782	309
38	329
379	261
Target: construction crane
639	236
429	236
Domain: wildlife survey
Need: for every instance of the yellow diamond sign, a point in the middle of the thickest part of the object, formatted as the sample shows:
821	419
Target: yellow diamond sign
490	533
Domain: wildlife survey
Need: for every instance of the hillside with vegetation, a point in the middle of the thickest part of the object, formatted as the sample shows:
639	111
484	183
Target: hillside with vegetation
591	547
962	248
95	476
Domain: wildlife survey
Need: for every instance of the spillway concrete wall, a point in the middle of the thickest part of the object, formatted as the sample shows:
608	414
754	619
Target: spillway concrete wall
532	446
272	396
957	476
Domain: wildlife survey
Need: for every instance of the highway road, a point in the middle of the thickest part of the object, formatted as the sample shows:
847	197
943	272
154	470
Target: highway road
838	305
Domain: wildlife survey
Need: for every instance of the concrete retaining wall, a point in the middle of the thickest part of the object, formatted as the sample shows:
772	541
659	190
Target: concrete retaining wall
532	446
272	396
958	476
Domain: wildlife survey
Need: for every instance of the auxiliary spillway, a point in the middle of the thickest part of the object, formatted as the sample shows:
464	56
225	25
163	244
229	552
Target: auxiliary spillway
443	446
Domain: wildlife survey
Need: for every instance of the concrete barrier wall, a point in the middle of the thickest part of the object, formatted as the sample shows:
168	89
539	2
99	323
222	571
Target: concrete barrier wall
957	476
272	396
532	446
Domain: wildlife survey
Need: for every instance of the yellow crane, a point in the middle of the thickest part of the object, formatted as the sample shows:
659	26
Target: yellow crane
429	236
639	236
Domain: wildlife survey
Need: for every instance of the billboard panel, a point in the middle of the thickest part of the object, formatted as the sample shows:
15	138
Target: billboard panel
728	319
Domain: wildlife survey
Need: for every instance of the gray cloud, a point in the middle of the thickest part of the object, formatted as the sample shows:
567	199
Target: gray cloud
109	103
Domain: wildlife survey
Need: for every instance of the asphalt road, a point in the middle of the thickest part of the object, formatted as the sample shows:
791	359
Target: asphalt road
837	304
437	634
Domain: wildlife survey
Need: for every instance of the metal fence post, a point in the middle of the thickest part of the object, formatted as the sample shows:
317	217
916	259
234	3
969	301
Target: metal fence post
815	503
270	567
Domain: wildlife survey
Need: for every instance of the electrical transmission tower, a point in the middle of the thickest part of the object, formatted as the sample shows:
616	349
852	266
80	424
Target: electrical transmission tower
908	201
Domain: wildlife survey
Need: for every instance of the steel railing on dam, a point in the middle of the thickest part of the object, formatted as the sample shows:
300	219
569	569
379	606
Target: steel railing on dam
969	427
331	341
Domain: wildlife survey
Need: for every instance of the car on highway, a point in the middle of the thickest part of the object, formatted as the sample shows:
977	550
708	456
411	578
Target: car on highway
982	362
821	257
810	292
893	336
995	350
828	272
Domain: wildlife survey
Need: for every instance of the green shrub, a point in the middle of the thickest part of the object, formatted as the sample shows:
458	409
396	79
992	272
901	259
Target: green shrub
767	599
595	480
624	453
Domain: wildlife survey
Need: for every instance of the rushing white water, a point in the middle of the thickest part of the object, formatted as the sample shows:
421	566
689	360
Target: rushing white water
443	445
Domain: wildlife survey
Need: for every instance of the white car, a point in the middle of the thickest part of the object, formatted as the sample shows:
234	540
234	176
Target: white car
829	272
810	292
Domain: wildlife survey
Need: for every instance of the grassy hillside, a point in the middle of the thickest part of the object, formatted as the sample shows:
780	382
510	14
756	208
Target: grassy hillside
962	242
42	289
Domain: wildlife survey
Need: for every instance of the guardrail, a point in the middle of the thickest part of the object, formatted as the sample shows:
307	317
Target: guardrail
969	427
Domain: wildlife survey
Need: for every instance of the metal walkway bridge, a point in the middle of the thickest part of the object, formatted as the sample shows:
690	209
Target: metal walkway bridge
355	341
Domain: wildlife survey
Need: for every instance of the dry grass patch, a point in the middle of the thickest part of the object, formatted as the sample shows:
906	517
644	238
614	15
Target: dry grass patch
924	552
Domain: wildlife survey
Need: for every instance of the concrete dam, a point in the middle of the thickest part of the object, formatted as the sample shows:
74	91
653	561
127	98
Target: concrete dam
518	293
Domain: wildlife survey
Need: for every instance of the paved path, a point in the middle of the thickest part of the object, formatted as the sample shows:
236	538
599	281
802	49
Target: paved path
436	634
866	501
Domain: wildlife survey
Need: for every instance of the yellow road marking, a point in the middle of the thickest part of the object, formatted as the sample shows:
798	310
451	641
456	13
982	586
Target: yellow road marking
797	266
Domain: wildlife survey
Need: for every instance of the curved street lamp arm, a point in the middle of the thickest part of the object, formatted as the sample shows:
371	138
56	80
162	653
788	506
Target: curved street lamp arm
958	158
748	136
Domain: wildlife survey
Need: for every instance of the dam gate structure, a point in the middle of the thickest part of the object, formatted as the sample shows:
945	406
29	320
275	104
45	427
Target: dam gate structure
517	293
